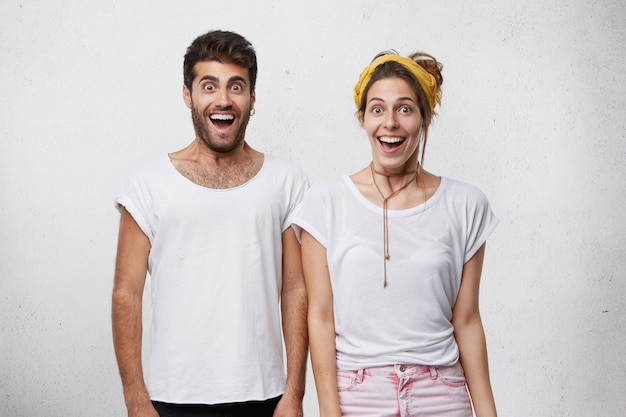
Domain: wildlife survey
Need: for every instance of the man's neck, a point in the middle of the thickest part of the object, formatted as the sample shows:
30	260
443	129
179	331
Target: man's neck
216	170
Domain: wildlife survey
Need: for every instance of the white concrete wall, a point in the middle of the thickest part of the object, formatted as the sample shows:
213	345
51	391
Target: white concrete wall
533	113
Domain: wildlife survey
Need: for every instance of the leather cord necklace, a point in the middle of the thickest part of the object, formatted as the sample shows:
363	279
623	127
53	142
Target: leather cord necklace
385	210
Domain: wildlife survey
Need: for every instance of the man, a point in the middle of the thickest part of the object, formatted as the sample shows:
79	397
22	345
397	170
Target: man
211	224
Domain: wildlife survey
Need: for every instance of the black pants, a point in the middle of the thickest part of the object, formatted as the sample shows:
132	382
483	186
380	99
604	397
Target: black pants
245	409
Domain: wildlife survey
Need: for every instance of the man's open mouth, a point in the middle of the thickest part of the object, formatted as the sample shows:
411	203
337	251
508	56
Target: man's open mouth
222	121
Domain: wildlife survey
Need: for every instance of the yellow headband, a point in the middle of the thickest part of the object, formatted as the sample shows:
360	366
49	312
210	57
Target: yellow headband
425	79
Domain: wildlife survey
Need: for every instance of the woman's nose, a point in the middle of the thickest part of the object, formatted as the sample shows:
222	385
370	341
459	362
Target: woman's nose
391	122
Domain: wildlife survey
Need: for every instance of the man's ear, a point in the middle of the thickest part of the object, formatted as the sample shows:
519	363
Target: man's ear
187	96
252	99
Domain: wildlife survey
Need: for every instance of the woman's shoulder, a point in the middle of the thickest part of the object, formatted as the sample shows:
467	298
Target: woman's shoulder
462	190
328	184
326	189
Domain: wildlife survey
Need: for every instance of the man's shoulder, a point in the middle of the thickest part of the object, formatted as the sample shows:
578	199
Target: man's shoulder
150	167
279	161
280	164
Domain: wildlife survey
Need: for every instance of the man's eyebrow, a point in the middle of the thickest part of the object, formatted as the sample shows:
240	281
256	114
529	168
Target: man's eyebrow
236	78
231	80
208	78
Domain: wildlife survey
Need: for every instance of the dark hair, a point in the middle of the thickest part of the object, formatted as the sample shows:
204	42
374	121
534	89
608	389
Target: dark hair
221	46
393	69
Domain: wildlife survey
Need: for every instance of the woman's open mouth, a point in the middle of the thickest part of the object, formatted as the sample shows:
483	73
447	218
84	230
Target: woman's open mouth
390	142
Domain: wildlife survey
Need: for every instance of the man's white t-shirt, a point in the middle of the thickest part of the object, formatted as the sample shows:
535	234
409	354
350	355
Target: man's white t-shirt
216	270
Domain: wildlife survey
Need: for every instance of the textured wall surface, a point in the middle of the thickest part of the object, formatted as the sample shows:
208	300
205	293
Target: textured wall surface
534	103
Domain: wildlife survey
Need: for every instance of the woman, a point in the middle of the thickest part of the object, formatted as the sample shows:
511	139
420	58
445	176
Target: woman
392	258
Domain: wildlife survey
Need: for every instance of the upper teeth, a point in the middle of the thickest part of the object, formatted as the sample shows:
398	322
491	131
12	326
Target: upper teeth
391	140
222	116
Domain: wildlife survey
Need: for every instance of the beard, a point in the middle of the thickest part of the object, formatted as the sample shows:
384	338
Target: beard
217	142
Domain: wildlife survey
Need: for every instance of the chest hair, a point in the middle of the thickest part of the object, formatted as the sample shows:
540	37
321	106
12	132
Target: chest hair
224	176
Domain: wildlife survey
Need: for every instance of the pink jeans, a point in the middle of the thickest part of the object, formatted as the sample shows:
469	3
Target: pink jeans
404	391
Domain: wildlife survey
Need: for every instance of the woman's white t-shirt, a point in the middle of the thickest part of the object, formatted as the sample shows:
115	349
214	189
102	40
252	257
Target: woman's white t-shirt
409	320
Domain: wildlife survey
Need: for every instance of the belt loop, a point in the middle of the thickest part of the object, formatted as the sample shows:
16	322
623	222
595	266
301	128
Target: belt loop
433	372
359	376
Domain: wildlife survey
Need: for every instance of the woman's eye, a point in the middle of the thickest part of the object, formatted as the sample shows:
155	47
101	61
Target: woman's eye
377	110
405	109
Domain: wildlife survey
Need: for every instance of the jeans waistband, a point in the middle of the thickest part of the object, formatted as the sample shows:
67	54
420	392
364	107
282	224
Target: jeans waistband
402	369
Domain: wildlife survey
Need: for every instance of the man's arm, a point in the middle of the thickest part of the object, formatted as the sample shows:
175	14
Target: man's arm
470	336
131	267
294	311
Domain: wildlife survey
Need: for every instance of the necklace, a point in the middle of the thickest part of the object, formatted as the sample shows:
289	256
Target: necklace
385	210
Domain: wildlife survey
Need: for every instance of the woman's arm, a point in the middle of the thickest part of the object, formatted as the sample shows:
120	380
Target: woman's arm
470	336
321	325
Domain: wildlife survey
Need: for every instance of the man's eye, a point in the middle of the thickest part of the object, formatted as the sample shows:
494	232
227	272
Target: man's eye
237	87
208	87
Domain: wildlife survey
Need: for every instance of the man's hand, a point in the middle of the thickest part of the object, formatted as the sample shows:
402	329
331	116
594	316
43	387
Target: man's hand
289	406
145	409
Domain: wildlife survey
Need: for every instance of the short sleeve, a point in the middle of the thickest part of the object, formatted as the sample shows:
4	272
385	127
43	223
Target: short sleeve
136	200
480	221
295	193
311	213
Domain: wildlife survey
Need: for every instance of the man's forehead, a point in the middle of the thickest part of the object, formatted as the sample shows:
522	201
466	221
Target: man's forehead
220	71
